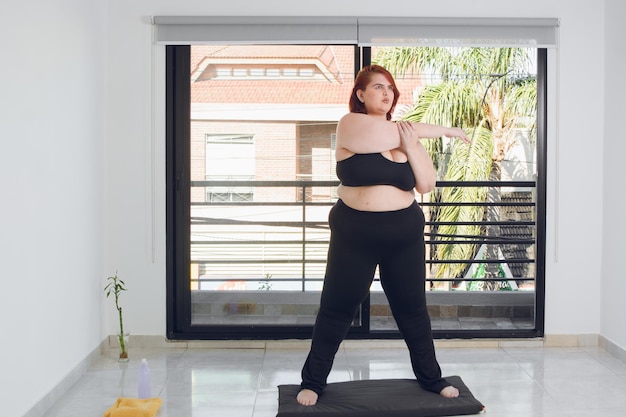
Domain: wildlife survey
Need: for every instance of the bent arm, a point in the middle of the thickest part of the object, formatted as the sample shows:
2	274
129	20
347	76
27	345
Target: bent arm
422	166
418	158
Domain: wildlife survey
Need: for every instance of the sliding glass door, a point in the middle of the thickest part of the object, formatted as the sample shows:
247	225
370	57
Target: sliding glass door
251	179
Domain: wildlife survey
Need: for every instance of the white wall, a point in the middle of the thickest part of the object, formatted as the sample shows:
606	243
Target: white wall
52	108
100	207
614	228
574	215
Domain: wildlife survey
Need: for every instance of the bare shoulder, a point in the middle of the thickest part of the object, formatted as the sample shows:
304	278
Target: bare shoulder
360	122
361	133
351	125
350	119
348	125
354	116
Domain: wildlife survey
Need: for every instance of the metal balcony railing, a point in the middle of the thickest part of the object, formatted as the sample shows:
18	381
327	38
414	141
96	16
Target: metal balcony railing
276	237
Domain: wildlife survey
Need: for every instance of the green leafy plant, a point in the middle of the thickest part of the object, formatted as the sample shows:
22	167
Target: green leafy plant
115	286
266	284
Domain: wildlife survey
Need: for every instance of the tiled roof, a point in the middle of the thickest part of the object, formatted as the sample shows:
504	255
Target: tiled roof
336	61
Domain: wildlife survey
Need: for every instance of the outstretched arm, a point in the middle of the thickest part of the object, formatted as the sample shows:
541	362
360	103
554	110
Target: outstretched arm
427	130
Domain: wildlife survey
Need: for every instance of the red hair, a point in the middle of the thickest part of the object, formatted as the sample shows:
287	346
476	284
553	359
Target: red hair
362	80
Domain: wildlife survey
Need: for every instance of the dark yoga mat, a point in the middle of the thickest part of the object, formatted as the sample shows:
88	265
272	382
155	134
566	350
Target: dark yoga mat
379	398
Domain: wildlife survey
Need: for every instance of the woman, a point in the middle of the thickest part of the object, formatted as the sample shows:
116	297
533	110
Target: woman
377	222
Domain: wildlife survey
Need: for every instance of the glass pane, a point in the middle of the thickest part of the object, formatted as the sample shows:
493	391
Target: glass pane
480	236
263	120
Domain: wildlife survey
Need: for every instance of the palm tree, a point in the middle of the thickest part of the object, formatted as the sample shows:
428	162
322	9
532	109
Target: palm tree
489	92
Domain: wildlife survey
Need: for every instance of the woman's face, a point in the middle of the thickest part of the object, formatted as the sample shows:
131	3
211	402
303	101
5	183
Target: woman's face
377	96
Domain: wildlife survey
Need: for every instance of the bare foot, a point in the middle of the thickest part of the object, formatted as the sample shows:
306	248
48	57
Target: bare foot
449	392
307	397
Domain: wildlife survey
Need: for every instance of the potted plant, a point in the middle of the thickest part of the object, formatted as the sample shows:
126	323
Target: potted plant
115	286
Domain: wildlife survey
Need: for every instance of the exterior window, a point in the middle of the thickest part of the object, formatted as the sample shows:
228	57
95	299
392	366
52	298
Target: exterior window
224	72
257	72
229	158
273	72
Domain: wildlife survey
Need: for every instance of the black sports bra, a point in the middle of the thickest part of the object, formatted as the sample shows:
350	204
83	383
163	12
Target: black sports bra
363	169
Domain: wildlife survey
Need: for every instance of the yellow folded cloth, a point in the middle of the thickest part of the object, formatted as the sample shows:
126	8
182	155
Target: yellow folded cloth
134	407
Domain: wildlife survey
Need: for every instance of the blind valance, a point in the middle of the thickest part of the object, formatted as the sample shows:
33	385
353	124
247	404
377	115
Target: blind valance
255	30
512	32
363	31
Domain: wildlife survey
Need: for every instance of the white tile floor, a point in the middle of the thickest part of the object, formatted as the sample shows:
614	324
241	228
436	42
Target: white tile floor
199	382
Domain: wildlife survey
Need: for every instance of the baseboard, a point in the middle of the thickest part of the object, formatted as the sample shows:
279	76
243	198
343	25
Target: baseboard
550	340
612	348
65	384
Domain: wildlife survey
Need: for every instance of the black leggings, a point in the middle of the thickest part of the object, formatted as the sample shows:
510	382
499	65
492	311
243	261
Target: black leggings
361	240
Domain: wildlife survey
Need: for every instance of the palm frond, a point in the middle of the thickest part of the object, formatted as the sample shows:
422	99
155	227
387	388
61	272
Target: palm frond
426	60
468	163
447	104
521	103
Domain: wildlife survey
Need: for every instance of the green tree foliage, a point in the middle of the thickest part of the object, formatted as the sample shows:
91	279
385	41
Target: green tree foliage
488	92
